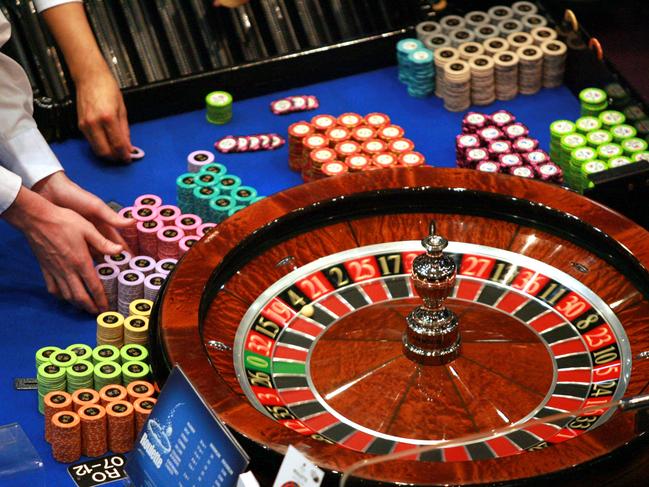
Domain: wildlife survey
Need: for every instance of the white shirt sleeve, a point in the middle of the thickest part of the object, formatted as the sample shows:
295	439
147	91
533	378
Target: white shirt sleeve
23	150
45	4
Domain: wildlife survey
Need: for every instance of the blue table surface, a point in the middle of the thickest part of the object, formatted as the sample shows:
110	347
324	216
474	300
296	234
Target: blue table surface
32	319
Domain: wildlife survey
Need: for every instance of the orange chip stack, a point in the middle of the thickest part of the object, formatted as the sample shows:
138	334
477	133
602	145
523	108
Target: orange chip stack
296	134
311	143
139	389
412	159
384	159
55	401
66	437
358	162
121	426
334	168
337	134
143	407
83	397
317	158
322	123
374	146
350	120
112	392
401	145
363	133
94	440
347	148
377	120
390	132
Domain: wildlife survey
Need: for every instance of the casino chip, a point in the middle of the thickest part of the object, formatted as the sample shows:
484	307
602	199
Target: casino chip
249	143
219	107
292	104
136	153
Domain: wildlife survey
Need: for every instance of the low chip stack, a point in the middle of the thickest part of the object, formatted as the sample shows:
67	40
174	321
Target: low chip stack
593	101
219	107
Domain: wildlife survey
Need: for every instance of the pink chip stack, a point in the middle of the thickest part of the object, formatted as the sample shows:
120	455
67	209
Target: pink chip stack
186	243
168	240
188	223
129	234
497	143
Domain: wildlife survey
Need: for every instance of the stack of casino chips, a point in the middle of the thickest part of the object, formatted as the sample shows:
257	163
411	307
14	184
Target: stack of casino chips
79	375
91	423
595	142
416	67
129	233
351	143
296	134
140	307
404	48
107	372
136	330
199	159
130	287
50	378
134	370
498	143
152	285
219	107
110	329
249	143
525	52
593	101
108	275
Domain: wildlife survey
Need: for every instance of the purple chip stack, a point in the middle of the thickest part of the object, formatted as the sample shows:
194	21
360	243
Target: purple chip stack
499	143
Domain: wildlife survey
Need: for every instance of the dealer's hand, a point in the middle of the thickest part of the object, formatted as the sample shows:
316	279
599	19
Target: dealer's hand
61	240
60	190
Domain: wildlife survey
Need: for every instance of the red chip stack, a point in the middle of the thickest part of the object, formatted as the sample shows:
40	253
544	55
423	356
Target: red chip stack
129	233
147	234
111	393
498	143
142	407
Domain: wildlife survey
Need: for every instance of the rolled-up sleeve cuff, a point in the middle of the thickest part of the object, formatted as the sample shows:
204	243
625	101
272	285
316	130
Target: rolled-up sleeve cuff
45	4
29	156
9	186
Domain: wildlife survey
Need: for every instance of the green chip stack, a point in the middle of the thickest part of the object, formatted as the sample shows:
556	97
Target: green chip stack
558	129
219	208
642	128
593	102
609	151
203	196
619	161
50	378
207	179
108	372
622	132
63	358
43	355
588	168
578	158
81	350
598	137
219	107
640	156
185	185
244	195
587	124
105	353
135	370
633	146
133	352
611	118
214	168
79	376
232	211
228	184
569	143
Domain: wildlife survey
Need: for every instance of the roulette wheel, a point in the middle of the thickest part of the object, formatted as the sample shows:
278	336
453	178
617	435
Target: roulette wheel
301	321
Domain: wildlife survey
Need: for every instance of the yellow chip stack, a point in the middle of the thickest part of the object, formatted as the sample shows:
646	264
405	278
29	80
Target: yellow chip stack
110	329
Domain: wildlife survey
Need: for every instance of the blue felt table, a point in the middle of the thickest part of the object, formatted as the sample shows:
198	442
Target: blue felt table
31	319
